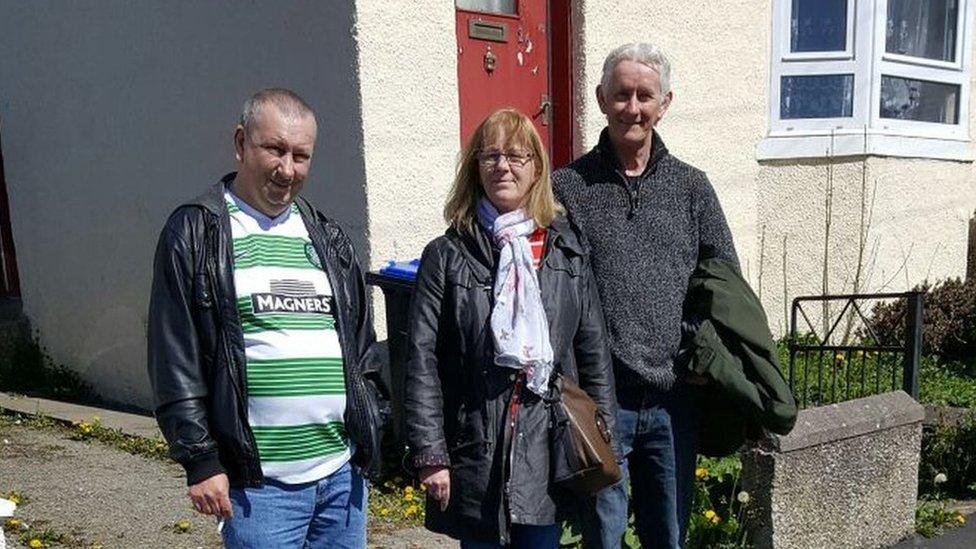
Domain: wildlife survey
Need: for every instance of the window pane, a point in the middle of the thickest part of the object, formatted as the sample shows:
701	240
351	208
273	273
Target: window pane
490	6
922	28
818	25
907	99
822	96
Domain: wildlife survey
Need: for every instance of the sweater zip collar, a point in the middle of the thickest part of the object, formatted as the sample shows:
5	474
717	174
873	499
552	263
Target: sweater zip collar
609	156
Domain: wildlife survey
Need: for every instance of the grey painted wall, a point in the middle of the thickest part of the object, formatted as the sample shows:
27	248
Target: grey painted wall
113	112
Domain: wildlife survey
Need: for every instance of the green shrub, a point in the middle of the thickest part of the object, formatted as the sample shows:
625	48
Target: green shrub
949	329
948	460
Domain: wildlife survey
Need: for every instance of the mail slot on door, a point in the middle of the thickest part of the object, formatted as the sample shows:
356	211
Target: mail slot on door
487	30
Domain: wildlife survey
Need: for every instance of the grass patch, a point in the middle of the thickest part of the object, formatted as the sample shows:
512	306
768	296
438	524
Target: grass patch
950	383
396	503
91	430
932	517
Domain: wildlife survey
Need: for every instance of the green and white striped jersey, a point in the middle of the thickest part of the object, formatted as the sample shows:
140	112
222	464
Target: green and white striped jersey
295	376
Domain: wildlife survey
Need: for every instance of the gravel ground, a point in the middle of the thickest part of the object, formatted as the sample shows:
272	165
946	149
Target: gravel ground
98	495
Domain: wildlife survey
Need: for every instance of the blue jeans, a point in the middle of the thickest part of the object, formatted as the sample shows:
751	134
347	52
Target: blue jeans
524	536
327	513
658	437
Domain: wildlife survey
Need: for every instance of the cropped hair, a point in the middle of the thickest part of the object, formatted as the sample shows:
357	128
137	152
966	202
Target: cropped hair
517	130
645	54
287	101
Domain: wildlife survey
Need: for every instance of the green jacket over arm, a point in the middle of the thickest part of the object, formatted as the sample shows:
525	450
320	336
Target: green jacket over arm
734	348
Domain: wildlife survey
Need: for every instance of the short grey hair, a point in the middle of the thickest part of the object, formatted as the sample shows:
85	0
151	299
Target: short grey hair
287	101
645	54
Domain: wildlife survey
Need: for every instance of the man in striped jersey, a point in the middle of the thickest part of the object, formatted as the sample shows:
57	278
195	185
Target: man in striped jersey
261	347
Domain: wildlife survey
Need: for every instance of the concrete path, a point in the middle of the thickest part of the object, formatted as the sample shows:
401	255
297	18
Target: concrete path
130	424
95	494
101	496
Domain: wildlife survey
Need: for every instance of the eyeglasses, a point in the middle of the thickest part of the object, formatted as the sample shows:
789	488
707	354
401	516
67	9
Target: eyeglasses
493	158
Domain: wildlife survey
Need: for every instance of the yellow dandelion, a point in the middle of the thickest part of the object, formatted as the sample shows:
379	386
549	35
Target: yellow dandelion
13	523
183	526
408	490
960	518
839	357
15	497
384	512
710	514
701	472
408	497
35	543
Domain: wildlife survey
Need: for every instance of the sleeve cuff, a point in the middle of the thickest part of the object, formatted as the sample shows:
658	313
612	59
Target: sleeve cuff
202	468
430	459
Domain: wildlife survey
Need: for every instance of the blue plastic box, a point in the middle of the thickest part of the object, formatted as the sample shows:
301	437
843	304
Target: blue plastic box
405	270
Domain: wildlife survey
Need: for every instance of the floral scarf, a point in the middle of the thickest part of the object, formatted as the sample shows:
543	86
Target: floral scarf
518	321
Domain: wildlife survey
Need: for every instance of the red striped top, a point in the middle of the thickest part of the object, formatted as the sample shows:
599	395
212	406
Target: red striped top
537	241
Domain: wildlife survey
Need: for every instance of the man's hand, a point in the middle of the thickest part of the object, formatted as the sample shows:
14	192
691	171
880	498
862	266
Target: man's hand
692	378
212	496
438	483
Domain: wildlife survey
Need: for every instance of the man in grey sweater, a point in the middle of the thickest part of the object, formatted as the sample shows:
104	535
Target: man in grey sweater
649	218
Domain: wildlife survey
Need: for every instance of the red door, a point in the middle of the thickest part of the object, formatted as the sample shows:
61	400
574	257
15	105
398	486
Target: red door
504	60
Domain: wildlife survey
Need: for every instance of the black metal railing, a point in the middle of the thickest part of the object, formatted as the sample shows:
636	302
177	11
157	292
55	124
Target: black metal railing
846	354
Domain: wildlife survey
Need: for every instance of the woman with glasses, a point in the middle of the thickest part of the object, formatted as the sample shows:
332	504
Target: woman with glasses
504	302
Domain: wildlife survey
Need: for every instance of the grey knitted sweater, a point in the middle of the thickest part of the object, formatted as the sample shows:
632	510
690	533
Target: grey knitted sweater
645	237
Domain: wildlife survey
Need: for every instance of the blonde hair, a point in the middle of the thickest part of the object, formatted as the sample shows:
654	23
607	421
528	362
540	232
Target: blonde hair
462	201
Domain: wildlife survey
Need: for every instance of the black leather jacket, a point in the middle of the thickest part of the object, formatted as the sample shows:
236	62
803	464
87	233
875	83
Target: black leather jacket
196	348
457	398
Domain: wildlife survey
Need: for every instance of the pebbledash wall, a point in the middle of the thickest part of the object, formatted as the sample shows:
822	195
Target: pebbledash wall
112	113
721	57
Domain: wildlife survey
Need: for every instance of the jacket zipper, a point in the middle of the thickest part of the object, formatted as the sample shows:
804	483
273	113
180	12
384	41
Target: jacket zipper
318	240
238	379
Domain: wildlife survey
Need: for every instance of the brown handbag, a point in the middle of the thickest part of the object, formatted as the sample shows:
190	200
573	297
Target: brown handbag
580	449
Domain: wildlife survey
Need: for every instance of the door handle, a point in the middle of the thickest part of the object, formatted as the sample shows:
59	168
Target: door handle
545	109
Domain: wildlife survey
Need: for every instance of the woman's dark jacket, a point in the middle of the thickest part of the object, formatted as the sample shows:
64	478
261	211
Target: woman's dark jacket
457	398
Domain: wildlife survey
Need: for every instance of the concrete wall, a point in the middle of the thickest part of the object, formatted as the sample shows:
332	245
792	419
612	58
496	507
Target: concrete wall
720	54
845	477
114	112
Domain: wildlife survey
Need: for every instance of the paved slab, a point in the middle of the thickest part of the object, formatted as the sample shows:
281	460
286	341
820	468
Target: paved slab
131	424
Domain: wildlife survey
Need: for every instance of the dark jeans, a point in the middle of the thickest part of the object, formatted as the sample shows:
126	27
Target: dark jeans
524	537
658	437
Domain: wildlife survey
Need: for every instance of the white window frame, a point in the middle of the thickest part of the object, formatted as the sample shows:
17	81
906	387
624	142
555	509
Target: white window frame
866	132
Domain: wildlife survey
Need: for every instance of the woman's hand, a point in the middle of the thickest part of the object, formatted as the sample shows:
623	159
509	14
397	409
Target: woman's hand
438	482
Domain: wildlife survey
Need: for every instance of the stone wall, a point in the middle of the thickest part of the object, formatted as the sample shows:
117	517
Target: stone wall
845	477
